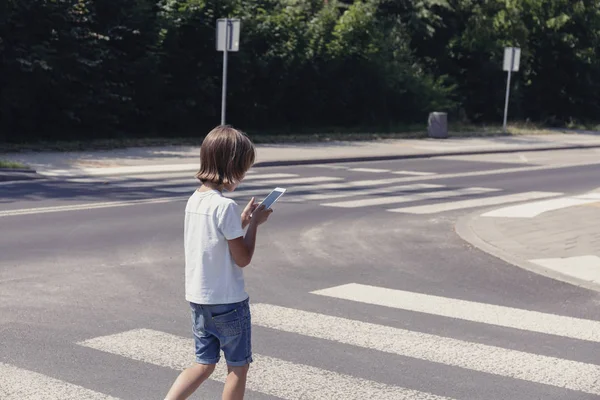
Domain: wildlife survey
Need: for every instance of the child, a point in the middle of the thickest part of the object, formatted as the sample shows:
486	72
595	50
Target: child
216	250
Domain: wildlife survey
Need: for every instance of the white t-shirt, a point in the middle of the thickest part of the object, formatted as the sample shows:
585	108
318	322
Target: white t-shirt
211	275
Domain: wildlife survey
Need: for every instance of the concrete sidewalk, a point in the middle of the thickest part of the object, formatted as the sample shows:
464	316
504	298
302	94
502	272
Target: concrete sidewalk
559	238
183	158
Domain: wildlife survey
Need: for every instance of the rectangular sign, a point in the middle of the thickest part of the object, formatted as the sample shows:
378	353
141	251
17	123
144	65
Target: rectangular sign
512	55
228	34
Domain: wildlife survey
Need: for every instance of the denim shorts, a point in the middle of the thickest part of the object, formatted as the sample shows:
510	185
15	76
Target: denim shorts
224	327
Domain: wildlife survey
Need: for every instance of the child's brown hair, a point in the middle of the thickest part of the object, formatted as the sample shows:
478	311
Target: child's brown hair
225	156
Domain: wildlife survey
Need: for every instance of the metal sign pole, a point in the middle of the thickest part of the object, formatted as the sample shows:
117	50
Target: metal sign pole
228	33
512	65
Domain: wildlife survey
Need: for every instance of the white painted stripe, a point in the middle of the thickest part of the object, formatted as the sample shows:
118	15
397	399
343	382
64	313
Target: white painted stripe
365	192
582	267
88	206
135	169
415	173
167	179
592	195
268	375
21	384
185	189
442	194
374	170
303	181
473	356
21	182
500	171
531	210
194	167
268	176
481	202
190	183
353	184
328	166
261	188
516	318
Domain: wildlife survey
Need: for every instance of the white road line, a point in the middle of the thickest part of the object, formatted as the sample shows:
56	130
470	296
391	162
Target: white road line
582	267
328	166
185	189
167	180
494	172
258	188
255	182
591	195
268	375
415	173
532	210
21	182
21	384
303	181
374	170
122	170
269	176
516	318
88	206
481	202
473	356
365	192
351	184
127	184
442	194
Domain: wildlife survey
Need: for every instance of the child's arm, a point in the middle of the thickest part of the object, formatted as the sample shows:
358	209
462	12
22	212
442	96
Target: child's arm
242	248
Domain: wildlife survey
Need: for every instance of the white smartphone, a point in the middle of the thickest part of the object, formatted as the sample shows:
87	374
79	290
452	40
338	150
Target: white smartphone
272	197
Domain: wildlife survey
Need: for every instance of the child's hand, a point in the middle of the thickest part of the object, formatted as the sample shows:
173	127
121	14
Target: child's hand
261	214
247	213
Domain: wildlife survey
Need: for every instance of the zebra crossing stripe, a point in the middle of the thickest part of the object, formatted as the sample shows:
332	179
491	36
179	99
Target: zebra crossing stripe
458	353
139	181
268	375
363	184
531	210
365	192
410	198
269	176
291	181
508	317
122	170
190	183
351	184
373	170
415	173
481	202
21	384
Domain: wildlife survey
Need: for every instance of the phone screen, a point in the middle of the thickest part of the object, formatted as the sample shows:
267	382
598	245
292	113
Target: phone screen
272	197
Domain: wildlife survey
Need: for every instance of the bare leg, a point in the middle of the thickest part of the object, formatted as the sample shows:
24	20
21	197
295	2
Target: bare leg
189	380
235	385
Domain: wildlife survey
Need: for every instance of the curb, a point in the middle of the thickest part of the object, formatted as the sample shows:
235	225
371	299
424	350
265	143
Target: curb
332	160
465	231
284	163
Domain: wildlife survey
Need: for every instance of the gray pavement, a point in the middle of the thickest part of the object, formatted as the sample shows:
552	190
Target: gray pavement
355	295
562	242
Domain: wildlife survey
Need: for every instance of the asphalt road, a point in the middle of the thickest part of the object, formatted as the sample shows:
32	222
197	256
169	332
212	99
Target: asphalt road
91	294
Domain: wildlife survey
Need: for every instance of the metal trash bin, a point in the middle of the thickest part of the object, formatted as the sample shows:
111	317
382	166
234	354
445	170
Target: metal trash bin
437	126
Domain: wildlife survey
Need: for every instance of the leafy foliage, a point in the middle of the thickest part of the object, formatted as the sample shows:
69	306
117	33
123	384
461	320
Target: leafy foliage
98	68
